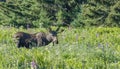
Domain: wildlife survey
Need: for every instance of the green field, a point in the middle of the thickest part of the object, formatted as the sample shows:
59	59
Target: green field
82	48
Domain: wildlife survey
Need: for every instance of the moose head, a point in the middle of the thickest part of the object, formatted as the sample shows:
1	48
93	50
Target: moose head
46	38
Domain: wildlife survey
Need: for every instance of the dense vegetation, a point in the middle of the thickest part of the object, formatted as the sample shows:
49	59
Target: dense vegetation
77	13
85	48
92	40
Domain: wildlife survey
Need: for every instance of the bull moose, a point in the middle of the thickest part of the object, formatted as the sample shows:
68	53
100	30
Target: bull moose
39	39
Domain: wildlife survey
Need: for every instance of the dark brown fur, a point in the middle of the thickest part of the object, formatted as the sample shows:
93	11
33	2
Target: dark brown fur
24	39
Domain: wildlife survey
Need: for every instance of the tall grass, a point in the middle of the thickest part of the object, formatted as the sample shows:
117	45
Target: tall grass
83	48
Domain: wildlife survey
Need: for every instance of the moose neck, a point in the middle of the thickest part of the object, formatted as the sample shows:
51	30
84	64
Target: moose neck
49	38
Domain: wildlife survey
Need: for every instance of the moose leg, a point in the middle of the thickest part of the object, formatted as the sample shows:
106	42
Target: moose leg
39	42
27	45
18	45
56	41
53	43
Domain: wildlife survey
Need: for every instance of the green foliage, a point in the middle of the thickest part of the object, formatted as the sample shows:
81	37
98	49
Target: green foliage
43	13
95	48
21	13
78	22
101	13
37	13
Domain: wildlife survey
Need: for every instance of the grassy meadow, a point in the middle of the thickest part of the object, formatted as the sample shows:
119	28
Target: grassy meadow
82	48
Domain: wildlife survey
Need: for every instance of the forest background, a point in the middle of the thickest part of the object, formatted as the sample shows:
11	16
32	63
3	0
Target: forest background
75	13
